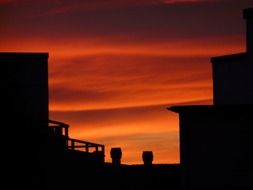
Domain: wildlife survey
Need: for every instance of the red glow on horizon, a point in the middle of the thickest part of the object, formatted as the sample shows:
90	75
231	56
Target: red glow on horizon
127	77
112	77
122	77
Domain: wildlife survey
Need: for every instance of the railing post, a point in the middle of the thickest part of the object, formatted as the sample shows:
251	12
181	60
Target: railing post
87	147
66	131
103	150
72	144
58	131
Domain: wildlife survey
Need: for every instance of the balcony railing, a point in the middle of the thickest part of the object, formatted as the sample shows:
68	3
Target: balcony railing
60	131
89	147
59	128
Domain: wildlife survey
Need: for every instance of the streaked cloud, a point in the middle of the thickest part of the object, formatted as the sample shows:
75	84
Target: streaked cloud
116	65
167	21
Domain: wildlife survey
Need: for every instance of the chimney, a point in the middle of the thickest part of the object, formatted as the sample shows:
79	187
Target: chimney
147	157
248	16
116	155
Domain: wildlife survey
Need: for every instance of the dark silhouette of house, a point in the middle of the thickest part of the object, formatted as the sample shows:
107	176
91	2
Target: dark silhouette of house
39	154
24	104
216	140
37	150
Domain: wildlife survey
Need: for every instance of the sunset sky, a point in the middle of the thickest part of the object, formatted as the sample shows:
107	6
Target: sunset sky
116	65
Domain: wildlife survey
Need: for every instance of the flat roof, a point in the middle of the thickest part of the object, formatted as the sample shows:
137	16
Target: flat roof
239	57
23	55
248	13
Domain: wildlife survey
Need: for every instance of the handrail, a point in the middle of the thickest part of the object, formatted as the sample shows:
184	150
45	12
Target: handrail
58	123
59	127
61	130
81	141
85	144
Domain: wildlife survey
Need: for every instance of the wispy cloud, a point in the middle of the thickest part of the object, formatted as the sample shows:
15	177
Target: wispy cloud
109	81
116	65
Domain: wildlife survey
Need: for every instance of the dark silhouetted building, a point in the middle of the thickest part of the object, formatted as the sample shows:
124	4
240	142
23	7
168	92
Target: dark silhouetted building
216	141
37	151
24	115
25	94
232	74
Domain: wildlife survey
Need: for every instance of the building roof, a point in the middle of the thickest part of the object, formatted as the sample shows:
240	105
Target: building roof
23	55
248	13
239	57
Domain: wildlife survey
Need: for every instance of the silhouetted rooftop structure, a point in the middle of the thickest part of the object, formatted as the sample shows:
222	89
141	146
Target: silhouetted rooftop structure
147	157
232	79
216	140
232	74
116	155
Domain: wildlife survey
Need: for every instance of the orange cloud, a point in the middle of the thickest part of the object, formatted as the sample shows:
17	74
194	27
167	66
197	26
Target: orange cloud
115	67
86	75
124	46
116	94
133	129
113	81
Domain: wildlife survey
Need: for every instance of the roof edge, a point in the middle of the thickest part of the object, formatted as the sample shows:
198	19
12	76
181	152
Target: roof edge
24	55
229	58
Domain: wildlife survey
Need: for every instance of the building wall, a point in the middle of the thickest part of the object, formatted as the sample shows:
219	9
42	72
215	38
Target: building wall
24	115
216	141
215	148
25	89
233	74
249	35
232	82
250	46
